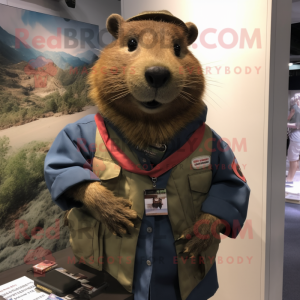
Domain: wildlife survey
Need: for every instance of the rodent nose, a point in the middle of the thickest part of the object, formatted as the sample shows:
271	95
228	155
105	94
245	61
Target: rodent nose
157	76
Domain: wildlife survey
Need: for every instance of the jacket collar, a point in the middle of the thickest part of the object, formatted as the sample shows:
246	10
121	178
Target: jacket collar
177	142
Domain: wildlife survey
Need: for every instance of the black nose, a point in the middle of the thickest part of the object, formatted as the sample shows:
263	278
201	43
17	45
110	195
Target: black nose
157	76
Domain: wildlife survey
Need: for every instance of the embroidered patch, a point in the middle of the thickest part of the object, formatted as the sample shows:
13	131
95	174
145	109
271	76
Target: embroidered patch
201	162
237	170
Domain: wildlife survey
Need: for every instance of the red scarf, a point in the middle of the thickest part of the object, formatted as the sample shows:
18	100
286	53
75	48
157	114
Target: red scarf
170	162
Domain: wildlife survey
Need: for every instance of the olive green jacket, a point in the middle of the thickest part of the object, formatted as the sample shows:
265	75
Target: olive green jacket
187	188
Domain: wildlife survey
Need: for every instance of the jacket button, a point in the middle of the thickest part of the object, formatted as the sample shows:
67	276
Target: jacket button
148	262
149	229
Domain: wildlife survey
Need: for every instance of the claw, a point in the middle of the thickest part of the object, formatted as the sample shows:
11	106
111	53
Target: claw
116	234
181	237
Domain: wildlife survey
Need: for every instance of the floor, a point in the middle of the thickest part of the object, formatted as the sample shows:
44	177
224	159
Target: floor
291	269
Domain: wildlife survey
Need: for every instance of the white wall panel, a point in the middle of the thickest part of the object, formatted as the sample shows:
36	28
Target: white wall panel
250	108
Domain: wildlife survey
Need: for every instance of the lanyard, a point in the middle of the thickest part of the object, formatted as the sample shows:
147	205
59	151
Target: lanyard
170	162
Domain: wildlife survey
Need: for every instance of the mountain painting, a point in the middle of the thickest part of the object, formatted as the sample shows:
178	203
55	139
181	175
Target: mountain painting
38	55
44	62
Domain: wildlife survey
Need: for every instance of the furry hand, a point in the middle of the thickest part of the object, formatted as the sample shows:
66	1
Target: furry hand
201	235
104	206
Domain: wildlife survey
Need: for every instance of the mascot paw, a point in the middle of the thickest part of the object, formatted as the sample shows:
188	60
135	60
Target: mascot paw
116	214
104	206
201	235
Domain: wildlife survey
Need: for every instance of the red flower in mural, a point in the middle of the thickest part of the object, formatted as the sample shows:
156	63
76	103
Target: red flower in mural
40	68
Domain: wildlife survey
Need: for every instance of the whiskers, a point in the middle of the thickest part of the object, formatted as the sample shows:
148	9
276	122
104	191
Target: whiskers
113	88
120	93
188	97
193	81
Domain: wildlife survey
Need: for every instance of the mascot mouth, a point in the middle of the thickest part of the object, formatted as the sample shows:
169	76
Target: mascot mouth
151	104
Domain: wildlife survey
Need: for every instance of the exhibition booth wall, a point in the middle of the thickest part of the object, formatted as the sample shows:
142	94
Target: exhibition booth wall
244	49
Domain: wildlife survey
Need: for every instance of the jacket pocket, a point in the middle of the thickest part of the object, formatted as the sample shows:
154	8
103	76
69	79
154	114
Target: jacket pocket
86	238
108	172
210	255
199	185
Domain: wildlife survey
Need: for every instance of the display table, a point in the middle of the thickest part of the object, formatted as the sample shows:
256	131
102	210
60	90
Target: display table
114	291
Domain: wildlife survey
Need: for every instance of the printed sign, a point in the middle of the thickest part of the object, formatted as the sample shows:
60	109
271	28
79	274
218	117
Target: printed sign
22	288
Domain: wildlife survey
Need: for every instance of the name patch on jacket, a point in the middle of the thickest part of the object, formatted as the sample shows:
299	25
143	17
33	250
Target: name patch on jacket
201	162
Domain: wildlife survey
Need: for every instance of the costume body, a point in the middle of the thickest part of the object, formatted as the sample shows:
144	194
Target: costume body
154	266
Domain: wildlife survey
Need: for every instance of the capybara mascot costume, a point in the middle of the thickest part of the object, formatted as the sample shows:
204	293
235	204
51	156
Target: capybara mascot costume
149	141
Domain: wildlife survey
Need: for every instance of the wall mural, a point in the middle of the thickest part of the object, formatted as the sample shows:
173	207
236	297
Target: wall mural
44	62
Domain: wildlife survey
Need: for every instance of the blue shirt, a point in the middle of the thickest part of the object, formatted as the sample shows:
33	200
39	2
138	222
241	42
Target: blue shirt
227	199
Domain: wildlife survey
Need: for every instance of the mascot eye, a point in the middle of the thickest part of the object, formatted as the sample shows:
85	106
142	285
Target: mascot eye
132	44
177	49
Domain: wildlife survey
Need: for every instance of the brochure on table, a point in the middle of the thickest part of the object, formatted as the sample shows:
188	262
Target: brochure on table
24	289
21	289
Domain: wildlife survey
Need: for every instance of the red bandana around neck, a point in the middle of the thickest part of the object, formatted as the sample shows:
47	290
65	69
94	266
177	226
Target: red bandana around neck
170	162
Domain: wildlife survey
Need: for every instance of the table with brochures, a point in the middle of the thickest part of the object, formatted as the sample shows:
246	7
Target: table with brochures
114	291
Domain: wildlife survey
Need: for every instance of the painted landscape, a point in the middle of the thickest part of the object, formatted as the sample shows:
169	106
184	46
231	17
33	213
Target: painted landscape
36	83
44	62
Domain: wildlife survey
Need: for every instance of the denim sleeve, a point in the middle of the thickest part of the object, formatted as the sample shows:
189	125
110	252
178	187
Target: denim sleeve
69	160
228	196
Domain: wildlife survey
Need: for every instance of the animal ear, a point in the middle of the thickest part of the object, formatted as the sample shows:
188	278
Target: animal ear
193	32
113	24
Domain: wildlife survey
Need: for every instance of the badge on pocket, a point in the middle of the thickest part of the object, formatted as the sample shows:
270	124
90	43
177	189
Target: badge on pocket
156	202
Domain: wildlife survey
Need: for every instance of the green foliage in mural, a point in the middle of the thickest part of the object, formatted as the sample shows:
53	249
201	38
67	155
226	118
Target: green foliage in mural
20	174
22	105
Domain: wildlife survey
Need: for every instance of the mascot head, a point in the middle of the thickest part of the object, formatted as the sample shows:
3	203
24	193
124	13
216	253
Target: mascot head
147	82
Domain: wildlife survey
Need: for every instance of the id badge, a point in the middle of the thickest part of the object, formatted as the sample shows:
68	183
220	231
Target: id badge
156	202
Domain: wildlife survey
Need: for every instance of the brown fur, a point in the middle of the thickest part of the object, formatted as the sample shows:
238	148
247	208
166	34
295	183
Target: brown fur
118	94
195	245
101	203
